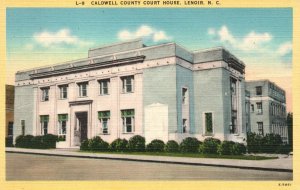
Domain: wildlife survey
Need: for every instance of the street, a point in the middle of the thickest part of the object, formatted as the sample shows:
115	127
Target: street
41	167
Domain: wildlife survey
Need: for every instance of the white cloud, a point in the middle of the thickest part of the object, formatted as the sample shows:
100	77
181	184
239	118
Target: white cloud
252	41
142	32
285	48
225	35
61	37
255	40
211	31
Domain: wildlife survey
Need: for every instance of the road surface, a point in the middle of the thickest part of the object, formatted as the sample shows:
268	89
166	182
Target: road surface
41	167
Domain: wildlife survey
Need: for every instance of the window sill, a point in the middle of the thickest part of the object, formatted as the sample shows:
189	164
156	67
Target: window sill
129	133
104	134
82	97
127	92
208	135
63	99
44	100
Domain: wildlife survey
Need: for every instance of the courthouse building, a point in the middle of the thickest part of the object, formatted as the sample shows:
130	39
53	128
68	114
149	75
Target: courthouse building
160	92
267	108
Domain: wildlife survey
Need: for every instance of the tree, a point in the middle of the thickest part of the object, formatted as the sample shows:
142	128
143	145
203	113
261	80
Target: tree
289	120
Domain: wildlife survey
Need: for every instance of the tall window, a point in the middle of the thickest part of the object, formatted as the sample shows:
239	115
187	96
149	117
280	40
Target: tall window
104	86
83	89
128	120
260	127
63	91
44	119
208	124
104	117
10	128
258	90
259	108
252	108
62	125
184	125
45	94
185	96
233	127
127	84
23	126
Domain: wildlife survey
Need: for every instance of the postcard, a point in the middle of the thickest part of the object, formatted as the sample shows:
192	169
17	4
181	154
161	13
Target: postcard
150	94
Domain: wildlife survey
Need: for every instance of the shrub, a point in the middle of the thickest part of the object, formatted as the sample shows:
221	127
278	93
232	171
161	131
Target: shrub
189	144
9	142
284	149
84	145
119	145
24	141
136	143
226	148
270	143
172	146
97	144
238	149
37	142
254	142
156	146
209	146
49	141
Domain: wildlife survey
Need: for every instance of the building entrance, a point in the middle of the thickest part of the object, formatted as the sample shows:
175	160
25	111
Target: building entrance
81	128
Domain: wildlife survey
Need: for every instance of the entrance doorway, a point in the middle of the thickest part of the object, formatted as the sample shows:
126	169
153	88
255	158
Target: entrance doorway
81	128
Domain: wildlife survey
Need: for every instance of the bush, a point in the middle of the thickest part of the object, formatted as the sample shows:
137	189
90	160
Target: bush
172	146
119	145
9	142
156	146
97	144
190	145
24	141
254	142
136	143
37	142
238	149
210	146
271	143
84	145
284	149
49	141
226	148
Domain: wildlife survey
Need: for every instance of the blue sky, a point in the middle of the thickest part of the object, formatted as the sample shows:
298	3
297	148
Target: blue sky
262	38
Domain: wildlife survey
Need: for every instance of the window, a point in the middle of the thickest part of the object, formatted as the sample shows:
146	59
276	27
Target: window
184	125
104	117
185	96
45	94
10	128
258	90
62	125
23	126
128	120
233	127
104	85
233	86
63	92
252	108
208	124
83	89
259	108
44	119
127	84
260	127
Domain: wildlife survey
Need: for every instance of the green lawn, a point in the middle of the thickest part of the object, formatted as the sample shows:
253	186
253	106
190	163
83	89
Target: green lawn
191	155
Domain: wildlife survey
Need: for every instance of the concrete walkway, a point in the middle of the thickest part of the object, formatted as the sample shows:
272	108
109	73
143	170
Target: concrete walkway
283	163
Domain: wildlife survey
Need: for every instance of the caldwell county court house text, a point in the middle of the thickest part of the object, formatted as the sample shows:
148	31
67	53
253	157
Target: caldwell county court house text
160	92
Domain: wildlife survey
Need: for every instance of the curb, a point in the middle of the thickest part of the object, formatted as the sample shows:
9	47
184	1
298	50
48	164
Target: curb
156	161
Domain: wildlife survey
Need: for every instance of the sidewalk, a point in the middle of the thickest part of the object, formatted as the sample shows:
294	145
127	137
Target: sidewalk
282	164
